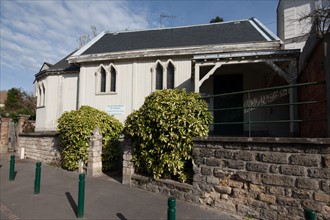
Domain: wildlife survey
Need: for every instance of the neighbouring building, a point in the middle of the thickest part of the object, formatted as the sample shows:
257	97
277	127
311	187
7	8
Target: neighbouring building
292	28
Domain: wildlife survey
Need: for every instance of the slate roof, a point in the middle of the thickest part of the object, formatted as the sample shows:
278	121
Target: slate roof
62	65
244	31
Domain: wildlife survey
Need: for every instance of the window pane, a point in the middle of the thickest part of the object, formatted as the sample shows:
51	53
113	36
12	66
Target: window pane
103	80
159	77
170	76
113	80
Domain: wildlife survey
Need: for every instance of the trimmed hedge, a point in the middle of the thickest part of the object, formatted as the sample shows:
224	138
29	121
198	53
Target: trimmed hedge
162	131
75	129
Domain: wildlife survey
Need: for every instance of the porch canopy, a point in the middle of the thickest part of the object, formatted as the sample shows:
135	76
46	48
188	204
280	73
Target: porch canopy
282	63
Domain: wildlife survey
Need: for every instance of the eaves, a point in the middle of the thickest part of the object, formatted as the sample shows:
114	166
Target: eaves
149	53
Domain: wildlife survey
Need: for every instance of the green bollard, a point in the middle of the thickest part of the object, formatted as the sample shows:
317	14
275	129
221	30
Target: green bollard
37	178
171	209
309	214
81	196
12	168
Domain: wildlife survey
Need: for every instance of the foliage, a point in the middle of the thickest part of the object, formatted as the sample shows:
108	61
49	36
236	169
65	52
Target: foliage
162	131
19	102
216	19
75	129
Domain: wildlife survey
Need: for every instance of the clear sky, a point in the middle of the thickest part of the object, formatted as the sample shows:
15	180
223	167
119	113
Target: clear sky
37	31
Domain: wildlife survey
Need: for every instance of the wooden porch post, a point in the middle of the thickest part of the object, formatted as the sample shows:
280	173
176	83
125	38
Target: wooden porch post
196	81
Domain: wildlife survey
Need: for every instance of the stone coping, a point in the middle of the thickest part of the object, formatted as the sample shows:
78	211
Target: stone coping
40	134
276	140
164	181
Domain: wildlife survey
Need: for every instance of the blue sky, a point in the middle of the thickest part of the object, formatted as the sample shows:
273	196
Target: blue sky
33	31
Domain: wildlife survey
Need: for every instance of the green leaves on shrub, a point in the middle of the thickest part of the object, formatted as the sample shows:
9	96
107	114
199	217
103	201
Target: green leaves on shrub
75	129
162	131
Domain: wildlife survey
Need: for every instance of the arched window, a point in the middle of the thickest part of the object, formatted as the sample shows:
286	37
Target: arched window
170	76
159	77
103	80
113	79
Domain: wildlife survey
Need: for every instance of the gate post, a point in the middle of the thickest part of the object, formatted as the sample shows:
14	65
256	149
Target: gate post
94	167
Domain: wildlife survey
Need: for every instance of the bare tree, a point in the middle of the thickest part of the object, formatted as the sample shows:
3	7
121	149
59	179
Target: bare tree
85	38
321	17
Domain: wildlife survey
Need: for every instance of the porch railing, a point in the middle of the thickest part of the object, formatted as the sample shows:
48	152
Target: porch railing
248	105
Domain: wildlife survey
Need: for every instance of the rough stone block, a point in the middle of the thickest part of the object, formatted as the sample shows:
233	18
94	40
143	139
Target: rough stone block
267	198
276	190
306	183
288	201
223	154
326	161
277	180
206	171
305	160
257	167
198	178
274	169
244	155
325	185
207	153
214	162
249	177
235	184
220	173
293	170
302	194
257	188
235	164
322	173
205	187
322	197
222	189
278	158
212	180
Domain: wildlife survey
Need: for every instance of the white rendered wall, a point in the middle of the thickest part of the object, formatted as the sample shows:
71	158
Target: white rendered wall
133	83
60	96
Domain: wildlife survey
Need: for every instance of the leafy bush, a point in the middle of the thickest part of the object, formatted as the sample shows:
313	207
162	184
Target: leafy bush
75	129
162	131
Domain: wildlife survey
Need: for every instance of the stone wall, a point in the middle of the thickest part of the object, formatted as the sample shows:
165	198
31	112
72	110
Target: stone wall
42	146
4	134
266	178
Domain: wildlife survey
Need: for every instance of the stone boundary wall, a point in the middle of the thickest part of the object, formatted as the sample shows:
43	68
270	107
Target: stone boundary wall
266	178
42	146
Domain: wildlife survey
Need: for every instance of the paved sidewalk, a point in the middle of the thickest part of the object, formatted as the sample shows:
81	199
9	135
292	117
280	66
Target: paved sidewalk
105	198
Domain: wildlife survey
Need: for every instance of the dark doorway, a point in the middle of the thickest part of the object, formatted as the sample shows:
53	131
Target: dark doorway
227	84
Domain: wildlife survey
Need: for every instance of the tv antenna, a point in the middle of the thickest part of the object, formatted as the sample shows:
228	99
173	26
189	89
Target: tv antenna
162	16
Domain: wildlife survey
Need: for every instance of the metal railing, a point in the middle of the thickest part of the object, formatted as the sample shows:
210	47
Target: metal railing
248	105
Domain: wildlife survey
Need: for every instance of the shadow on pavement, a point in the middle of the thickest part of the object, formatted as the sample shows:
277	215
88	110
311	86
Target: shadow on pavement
72	202
121	216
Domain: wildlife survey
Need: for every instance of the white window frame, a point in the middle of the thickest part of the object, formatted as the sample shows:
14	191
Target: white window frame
98	76
164	66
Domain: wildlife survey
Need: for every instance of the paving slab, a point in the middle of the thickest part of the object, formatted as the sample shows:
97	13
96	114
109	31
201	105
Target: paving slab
105	198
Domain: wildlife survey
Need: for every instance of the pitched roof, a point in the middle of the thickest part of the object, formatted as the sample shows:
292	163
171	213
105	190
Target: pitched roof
62	65
243	31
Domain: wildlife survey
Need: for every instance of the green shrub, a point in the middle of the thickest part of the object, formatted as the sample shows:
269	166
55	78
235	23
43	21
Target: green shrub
162	131
75	129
